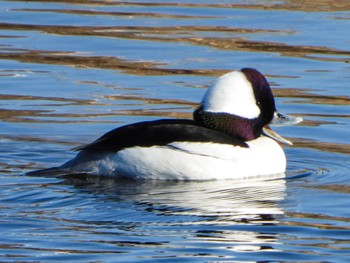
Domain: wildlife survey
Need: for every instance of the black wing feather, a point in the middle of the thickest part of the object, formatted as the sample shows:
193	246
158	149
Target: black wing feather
160	132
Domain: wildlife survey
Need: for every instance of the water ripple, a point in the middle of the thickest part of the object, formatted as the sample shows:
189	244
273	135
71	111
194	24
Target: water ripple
304	164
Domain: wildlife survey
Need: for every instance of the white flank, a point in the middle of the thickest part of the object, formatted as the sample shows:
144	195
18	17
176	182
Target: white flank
232	93
196	161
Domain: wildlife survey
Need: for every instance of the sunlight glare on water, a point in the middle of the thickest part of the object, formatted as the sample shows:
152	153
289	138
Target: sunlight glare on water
71	71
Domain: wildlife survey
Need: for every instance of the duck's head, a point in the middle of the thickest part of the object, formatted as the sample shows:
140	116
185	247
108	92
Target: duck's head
241	104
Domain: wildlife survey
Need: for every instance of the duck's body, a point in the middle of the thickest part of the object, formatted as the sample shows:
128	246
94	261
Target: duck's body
224	141
177	150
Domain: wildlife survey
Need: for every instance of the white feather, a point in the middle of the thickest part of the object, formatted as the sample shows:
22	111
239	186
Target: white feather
232	93
193	161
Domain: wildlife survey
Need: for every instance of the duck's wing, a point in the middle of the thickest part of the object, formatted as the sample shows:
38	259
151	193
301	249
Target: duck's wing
160	132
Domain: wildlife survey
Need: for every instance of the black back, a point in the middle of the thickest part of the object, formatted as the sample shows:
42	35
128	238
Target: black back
159	132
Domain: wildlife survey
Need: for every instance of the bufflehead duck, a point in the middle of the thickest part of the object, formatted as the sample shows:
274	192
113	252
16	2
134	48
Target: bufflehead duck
228	138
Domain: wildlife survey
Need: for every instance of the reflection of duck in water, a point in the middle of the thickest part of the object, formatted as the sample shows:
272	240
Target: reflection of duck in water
219	215
228	138
243	200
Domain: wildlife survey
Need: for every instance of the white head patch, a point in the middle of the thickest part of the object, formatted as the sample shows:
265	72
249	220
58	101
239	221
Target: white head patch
233	94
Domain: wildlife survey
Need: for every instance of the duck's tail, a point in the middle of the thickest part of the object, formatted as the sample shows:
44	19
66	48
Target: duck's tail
51	172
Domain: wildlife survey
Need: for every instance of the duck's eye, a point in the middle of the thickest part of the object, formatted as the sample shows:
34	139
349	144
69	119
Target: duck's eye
258	103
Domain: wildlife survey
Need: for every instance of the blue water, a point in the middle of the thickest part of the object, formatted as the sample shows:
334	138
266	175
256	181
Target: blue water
72	71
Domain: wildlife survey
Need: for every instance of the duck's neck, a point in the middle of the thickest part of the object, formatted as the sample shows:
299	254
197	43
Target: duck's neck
235	126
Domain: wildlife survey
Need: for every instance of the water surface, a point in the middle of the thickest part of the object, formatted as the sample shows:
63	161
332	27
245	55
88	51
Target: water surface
73	70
